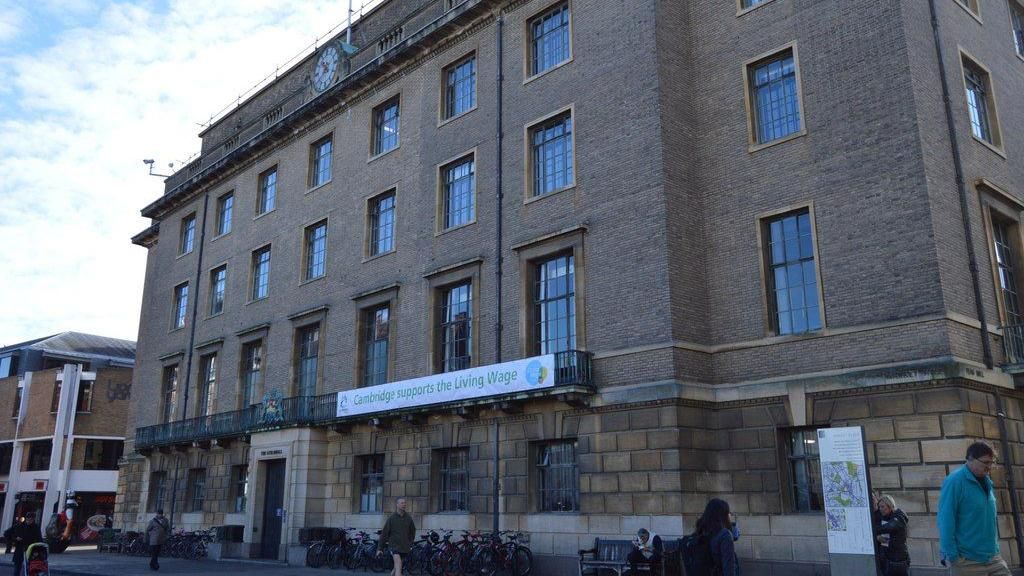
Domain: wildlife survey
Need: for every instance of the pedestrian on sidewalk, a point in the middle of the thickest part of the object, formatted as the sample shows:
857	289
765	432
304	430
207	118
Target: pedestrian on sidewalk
24	535
9	534
968	535
891	535
157	531
398	534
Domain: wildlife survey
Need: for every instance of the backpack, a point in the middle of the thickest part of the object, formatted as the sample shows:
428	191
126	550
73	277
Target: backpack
697	558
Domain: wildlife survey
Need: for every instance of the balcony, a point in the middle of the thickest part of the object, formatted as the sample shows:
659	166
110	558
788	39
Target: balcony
573	383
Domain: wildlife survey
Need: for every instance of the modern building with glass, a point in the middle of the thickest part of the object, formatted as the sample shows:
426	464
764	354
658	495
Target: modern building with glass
614	258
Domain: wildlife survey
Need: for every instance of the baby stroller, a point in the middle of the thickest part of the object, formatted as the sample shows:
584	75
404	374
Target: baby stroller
37	560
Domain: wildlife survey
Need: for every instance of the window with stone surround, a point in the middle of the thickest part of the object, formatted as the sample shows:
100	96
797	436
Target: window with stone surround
550	39
170	393
376	324
320	162
385	127
218	282
157	491
803	469
554	304
551	156
458	192
260	273
452	480
1001	212
307	358
239	487
1017	24
773	88
267	195
196	490
315	251
380	222
225	206
791	273
969	5
180	305
558	481
252	369
981	103
371	483
456	327
188	234
460	87
206	392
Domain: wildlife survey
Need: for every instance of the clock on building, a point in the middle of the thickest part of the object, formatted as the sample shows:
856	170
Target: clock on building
325	68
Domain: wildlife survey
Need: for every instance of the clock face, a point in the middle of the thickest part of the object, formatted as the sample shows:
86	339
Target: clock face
323	73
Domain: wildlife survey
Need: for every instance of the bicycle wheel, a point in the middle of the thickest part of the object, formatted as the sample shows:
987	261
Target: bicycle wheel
522	561
312	554
416	562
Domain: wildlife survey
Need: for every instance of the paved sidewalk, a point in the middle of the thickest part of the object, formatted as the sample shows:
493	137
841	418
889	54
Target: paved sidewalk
89	562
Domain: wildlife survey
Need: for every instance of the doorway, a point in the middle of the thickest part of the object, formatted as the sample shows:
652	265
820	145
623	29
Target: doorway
273	509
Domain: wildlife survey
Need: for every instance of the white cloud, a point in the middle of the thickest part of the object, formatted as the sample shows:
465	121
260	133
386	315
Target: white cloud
130	83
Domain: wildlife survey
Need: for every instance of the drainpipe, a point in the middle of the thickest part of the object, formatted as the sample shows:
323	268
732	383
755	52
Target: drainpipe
1011	483
958	170
191	343
499	76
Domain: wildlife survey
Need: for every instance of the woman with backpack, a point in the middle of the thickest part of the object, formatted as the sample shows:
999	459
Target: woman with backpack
709	551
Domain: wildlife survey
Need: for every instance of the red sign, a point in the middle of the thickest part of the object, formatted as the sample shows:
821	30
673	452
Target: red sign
40	484
3	486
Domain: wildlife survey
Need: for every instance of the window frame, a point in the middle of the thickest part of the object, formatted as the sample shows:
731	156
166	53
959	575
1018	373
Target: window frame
298	344
967	61
19	392
996	203
157	490
196	490
762	221
169	392
179	305
441	462
373	212
530	254
441	208
6	455
245	371
787	482
313	180
444	116
377	123
104	460
528	45
741	9
1018	36
206	384
225	214
308	253
239	488
187	234
365	304
254	276
363	483
261	191
529	163
33	459
213	292
753	143
537	489
972	7
84	398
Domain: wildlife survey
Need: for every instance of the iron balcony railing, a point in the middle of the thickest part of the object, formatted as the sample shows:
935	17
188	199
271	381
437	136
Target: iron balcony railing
572	369
1013	344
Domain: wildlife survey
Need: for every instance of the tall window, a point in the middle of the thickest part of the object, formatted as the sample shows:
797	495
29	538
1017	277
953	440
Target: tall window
180	304
320	162
8	366
267	191
188	234
375	345
456	327
252	366
775	97
371	483
558	481
83	403
157	491
454	480
196	489
240	487
554	301
170	393
552	156
225	204
382	223
207	392
55	397
804	469
218	282
460	87
385	127
261	273
39	455
1017	22
102	454
980	105
458	180
316	250
16	408
1006	264
307	358
792	278
549	39
6	453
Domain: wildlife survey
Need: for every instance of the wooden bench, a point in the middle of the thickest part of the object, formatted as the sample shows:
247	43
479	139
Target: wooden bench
612	557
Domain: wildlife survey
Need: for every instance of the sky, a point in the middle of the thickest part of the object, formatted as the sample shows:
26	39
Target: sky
88	89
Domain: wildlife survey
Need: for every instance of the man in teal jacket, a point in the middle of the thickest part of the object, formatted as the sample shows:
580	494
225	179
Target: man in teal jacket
968	536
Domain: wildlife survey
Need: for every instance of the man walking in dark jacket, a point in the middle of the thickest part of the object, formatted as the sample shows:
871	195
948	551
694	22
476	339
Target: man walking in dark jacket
24	535
398	534
157	531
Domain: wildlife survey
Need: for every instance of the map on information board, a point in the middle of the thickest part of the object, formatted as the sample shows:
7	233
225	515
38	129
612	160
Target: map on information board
844	485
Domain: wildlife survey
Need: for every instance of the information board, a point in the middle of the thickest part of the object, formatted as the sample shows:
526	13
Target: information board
844	484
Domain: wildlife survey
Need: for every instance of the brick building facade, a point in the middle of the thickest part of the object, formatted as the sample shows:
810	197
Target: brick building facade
731	223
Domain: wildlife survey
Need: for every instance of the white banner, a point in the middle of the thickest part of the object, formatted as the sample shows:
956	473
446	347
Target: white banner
844	485
494	380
